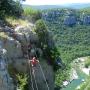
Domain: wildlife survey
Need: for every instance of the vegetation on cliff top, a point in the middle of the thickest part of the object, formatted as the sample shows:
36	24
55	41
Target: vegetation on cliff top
10	7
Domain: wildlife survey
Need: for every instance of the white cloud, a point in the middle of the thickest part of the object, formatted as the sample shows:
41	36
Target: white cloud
54	2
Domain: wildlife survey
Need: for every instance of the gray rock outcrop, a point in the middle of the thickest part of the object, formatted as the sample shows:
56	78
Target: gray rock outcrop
5	79
14	55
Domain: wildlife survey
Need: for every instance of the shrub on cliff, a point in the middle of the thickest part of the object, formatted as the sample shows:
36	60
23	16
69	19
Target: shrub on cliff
50	53
32	14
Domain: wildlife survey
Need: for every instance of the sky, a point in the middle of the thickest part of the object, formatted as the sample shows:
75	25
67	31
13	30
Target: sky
54	2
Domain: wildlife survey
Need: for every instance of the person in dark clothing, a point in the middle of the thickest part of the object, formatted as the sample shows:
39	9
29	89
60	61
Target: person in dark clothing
29	50
24	52
37	53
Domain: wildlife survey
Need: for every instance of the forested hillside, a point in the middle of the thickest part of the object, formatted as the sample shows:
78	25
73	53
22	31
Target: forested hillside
71	34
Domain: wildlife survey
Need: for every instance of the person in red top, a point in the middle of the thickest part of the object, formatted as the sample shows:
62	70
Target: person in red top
34	61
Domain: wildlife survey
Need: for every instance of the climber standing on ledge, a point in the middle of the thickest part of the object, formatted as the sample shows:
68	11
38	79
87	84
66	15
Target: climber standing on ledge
34	61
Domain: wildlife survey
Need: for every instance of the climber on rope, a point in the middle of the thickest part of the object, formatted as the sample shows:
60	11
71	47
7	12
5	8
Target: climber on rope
34	61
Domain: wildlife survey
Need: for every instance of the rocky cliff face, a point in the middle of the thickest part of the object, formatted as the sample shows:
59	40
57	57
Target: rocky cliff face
5	79
49	75
16	46
47	69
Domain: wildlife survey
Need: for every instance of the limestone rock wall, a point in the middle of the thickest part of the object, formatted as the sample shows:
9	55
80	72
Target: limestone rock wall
13	48
14	55
32	38
5	79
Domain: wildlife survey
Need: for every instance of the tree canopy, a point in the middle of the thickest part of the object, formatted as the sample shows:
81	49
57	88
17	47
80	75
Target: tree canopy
10	7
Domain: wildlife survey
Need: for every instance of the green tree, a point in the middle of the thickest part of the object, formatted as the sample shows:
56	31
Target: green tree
50	53
41	31
10	7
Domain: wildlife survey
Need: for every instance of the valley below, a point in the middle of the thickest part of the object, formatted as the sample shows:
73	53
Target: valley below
78	74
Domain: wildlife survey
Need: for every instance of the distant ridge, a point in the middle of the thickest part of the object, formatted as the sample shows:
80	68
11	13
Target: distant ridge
42	7
74	6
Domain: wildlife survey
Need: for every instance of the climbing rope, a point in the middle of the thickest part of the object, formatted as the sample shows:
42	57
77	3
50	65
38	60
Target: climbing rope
35	80
43	74
30	72
30	66
44	77
31	78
